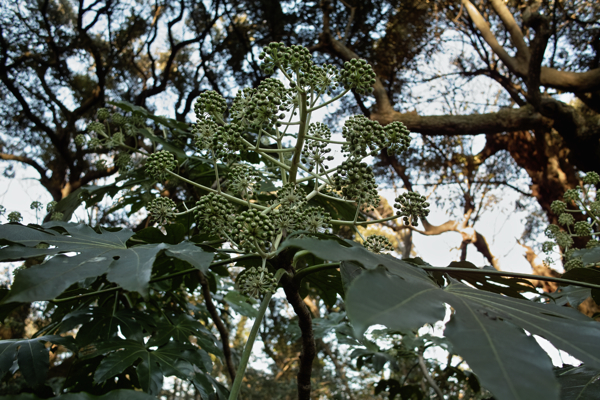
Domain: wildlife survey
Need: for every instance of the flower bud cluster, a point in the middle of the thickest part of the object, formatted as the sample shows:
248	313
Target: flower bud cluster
356	181
362	134
210	103
14	217
316	219
315	152
244	181
358	75
159	163
294	58
256	282
162	210
580	197
411	206
214	214
397	138
253	231
378	244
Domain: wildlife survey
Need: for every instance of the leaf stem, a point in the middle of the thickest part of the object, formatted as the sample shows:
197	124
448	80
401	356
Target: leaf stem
315	268
239	376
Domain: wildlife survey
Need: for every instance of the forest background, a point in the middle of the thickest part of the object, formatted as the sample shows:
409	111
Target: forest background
503	99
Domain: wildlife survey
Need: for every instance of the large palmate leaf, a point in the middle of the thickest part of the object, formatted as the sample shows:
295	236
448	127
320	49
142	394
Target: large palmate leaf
172	359
32	356
96	254
180	327
487	329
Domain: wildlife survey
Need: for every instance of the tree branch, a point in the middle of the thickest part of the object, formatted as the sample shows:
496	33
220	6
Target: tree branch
308	338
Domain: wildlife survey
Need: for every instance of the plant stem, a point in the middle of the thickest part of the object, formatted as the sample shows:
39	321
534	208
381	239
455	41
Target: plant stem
315	268
227	196
428	377
237	383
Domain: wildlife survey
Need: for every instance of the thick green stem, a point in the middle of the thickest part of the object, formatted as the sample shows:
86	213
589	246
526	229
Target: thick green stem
237	384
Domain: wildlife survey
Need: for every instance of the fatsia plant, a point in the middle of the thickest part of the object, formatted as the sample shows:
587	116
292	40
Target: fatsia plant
269	201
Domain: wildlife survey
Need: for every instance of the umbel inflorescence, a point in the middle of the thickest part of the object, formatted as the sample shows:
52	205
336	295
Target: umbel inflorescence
579	217
273	121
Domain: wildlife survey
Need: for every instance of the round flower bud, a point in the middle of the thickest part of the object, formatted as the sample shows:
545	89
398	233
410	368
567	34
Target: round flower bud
548	247
591	178
582	228
162	210
378	244
211	103
566	219
51	206
558	207
118	119
36	205
358	75
80	140
411	206
57	216
159	163
97	127
14	217
551	231
574	263
592	243
213	213
103	114
571	195
256	282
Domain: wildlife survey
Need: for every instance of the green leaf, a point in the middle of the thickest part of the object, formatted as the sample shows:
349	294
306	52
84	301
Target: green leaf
508	362
97	254
32	356
33	361
196	256
381	297
133	268
8	353
118	361
579	383
492	283
180	328
241	304
102	325
150	375
486	329
574	295
327	283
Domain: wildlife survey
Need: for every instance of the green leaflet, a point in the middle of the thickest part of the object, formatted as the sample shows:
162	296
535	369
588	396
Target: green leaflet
578	383
486	328
97	254
32	356
174	358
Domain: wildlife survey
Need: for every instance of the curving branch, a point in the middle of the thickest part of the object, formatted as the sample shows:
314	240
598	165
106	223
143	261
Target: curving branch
563	80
